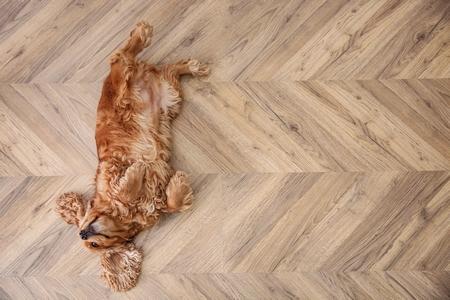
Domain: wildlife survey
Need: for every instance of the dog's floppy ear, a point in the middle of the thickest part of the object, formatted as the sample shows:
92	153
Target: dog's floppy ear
121	266
71	207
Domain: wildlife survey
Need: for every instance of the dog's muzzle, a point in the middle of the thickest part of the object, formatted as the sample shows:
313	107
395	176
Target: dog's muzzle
84	234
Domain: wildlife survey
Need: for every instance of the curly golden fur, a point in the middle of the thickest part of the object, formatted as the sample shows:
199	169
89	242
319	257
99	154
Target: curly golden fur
134	182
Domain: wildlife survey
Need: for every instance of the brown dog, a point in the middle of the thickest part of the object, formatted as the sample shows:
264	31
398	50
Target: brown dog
134	183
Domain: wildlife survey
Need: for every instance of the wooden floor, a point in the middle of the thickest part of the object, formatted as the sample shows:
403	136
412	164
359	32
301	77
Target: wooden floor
319	147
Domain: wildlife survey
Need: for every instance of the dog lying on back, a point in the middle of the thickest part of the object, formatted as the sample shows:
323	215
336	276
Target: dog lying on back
134	182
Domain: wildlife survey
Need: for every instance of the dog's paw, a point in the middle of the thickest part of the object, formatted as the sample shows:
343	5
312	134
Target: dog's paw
143	32
179	193
146	32
197	68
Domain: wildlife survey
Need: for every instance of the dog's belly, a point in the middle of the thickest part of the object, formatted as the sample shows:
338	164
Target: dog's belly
143	145
155	98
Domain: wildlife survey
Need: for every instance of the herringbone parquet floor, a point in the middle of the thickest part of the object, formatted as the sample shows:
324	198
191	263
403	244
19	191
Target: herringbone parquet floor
319	147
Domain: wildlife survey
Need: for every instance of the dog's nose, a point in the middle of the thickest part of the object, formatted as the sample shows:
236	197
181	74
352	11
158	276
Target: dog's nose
83	234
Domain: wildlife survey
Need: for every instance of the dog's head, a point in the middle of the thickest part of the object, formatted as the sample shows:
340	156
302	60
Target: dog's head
108	236
101	231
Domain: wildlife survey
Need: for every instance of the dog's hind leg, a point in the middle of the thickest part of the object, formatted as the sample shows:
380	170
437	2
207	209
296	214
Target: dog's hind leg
123	61
179	193
171	89
139	39
191	67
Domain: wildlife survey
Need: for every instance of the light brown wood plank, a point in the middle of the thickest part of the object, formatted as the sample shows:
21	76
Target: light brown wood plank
60	41
317	285
339	222
227	127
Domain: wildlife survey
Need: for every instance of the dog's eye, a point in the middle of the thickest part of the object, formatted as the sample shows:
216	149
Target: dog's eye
93	244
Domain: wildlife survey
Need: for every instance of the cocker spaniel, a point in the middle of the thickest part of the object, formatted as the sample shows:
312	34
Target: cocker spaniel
134	182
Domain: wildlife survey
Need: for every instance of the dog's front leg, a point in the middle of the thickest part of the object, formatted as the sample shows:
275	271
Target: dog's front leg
179	193
130	184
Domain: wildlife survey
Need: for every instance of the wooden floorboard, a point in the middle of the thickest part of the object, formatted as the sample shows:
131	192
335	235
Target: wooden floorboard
316	285
319	147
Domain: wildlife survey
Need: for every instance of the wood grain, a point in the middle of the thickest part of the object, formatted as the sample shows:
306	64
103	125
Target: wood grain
319	147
